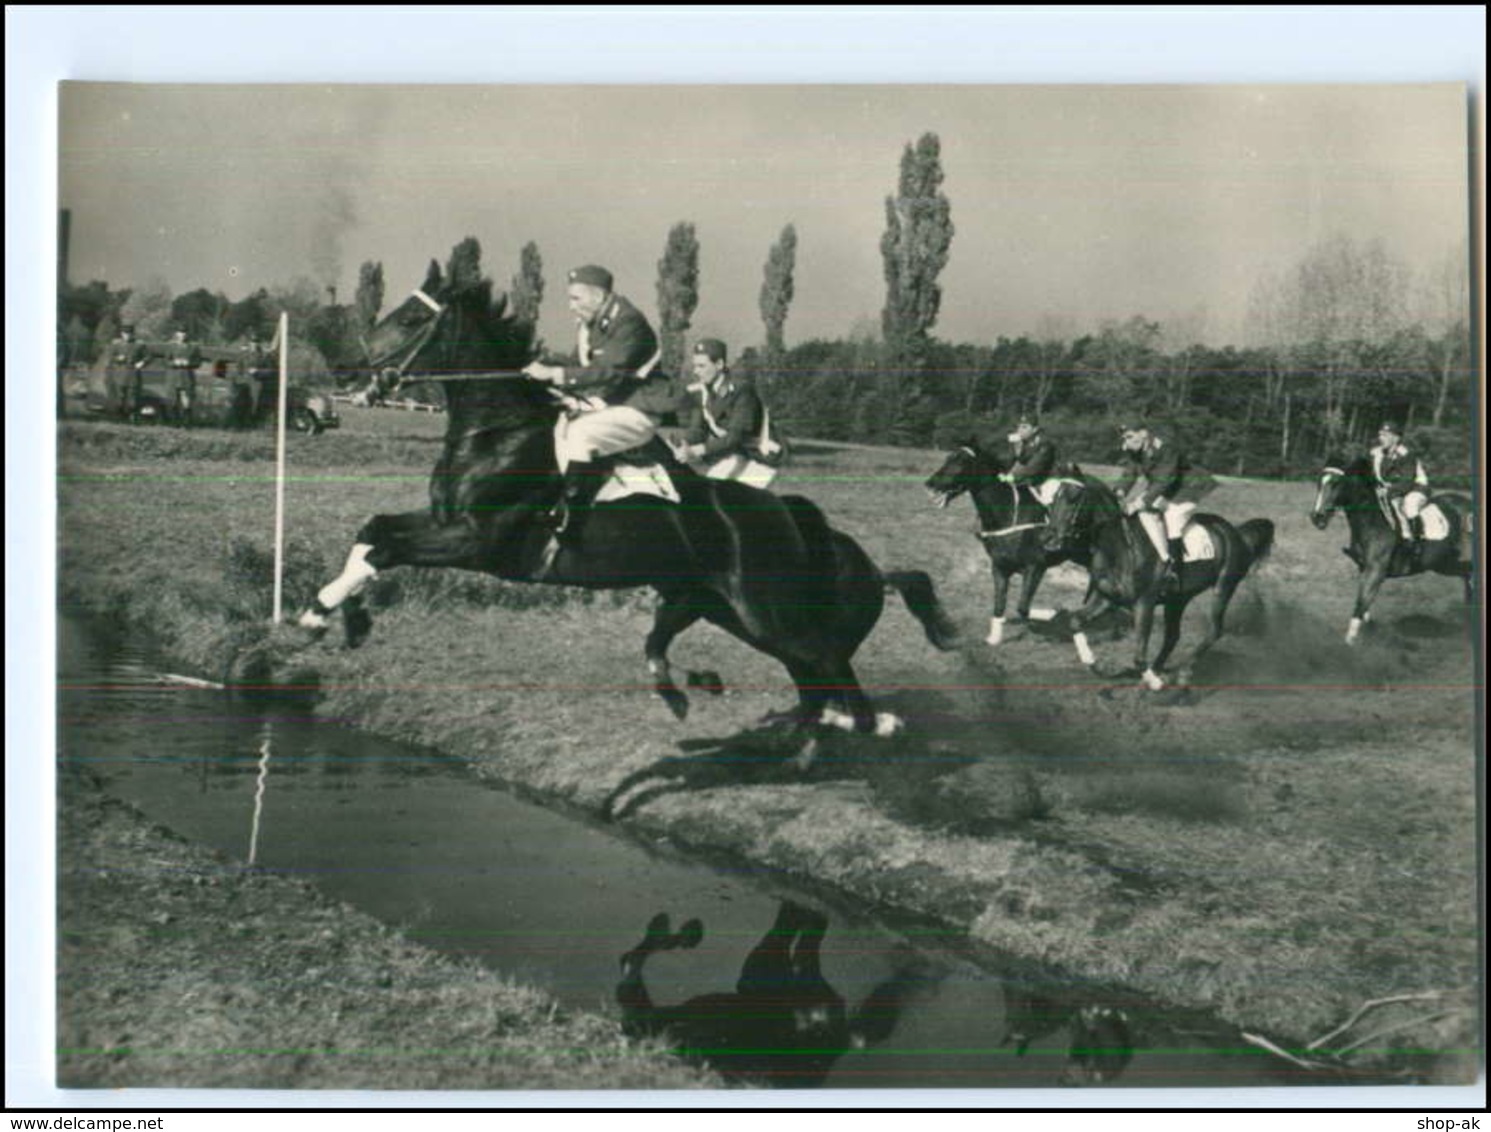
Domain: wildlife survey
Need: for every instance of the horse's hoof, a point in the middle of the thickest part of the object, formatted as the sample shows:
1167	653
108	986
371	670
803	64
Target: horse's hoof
313	621
659	926
690	934
677	702
1153	680
831	717
888	724
357	625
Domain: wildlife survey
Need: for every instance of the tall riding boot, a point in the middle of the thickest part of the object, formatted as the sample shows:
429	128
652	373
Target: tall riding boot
1172	568
581	480
1416	537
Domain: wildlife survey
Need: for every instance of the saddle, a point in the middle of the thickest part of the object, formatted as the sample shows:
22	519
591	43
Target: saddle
1196	539
1435	522
642	470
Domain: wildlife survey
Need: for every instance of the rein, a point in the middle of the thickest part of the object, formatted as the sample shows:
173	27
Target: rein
1015	492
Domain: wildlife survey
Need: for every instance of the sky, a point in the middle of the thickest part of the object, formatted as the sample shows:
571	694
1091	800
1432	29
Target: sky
1072	204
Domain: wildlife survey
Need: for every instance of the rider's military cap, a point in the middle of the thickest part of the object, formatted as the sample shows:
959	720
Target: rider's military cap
593	276
711	348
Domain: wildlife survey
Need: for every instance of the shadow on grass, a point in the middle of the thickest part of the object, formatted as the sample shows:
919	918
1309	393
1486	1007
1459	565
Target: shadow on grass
895	767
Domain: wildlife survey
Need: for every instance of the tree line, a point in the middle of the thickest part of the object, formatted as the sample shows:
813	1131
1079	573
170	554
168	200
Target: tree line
1332	345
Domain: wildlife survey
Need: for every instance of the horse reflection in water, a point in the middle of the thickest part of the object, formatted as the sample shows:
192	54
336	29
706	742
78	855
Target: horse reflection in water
1101	1044
784	1025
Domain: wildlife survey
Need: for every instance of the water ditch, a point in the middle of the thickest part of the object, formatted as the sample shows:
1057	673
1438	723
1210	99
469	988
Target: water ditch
781	985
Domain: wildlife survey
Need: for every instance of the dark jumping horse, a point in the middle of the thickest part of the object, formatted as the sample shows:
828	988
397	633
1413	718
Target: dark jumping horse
769	570
1125	571
1377	549
784	1025
1012	525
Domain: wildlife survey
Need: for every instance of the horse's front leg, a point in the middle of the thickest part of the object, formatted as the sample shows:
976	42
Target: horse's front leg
676	613
1143	626
411	539
1366	594
1095	606
1001	597
1029	583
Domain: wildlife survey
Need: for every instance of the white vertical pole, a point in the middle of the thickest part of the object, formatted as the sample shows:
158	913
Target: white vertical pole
279	467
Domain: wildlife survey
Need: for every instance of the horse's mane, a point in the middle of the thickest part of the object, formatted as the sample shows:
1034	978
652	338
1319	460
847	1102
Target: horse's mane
985	456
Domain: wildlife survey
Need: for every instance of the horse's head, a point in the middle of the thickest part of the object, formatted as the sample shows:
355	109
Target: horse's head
1101	1047
1333	478
448	325
963	469
452	325
1069	516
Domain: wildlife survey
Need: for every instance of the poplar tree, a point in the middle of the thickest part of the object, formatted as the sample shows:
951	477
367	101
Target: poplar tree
677	293
528	285
918	235
776	291
369	298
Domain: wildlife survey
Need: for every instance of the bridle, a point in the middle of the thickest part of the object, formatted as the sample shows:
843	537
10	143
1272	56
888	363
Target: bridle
1327	477
402	355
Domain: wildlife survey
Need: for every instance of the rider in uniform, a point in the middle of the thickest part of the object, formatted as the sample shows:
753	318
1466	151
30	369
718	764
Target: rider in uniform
725	421
1160	485
253	377
183	357
1034	460
615	398
128	355
1401	480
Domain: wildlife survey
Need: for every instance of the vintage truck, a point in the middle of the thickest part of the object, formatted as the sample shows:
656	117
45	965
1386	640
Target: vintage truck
228	388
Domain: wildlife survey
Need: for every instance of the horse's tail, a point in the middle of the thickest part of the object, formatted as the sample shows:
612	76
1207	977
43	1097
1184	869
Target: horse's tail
1258	536
920	596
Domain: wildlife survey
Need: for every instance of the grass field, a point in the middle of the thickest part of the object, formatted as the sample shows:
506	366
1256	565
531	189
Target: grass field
1296	838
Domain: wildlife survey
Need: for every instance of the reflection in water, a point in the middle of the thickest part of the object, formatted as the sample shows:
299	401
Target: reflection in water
263	780
784	1025
1101	1044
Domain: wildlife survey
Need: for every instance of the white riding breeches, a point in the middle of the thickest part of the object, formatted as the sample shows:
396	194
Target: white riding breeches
1166	521
744	470
1413	504
1178	518
600	432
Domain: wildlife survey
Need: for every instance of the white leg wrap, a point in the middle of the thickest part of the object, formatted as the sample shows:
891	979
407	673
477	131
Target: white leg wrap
834	718
1353	630
1153	680
354	576
1042	613
1084	650
887	724
996	631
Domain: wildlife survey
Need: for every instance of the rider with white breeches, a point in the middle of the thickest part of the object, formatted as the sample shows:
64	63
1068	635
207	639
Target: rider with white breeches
1401	480
727	421
1160	485
615	399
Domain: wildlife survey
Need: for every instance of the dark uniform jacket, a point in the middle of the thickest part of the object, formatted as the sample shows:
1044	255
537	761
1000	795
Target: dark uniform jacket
1399	471
726	422
1169	473
128	352
1035	459
620	343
